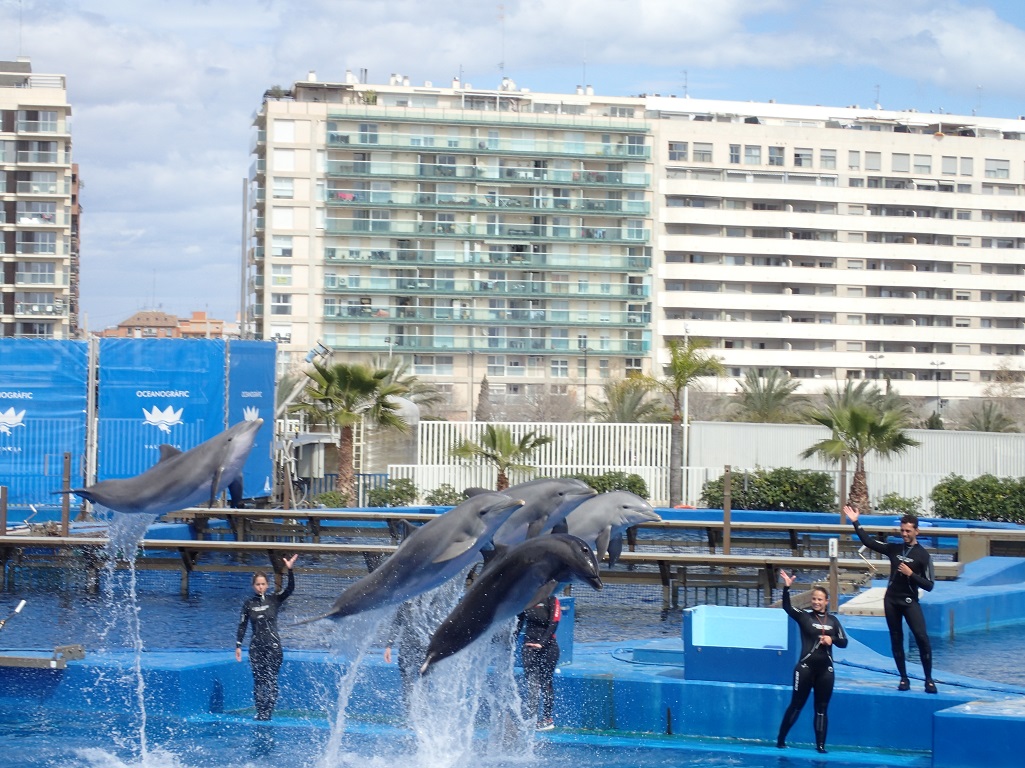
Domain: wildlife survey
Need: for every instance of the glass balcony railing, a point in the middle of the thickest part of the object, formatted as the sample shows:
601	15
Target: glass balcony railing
51	310
477	173
383	341
463	315
35	278
487	260
488	200
38	157
462	286
37	126
356	226
617	147
36	188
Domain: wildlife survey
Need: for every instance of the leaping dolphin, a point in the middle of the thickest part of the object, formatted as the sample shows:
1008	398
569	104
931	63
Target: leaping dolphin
178	479
521	576
601	521
429	556
546	502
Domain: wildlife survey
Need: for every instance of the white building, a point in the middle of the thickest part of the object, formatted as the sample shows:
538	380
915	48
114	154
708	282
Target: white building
38	206
553	241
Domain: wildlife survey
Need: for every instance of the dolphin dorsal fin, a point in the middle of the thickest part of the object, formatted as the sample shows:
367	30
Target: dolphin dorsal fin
455	548
167	452
543	592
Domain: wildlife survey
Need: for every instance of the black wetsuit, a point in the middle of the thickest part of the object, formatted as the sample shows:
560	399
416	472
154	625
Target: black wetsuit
539	623
901	599
814	669
265	654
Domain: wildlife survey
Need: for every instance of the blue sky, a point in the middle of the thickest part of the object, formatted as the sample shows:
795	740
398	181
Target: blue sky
163	91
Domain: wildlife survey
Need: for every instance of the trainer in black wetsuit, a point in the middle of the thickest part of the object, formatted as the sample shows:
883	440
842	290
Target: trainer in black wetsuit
910	570
820	631
265	654
540	656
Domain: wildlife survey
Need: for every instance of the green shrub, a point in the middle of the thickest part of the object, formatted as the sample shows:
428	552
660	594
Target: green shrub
615	481
396	493
332	499
443	496
799	490
899	505
1000	499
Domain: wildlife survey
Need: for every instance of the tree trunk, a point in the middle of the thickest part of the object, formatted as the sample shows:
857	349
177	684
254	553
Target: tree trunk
346	480
502	482
676	461
858	497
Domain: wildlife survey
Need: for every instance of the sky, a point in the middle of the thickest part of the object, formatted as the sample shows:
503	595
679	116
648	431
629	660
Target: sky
163	92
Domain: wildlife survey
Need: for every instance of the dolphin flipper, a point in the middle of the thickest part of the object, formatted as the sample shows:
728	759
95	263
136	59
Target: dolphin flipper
535	528
601	544
455	549
235	493
615	549
542	593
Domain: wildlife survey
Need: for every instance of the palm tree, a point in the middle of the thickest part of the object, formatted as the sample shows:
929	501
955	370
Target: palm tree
687	361
768	398
858	430
423	393
628	402
497	446
342	395
989	418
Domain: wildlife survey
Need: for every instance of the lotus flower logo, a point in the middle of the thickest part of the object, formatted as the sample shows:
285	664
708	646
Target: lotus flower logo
9	419
251	413
163	419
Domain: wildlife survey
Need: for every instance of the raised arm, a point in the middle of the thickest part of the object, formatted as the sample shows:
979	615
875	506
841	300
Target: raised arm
787	605
868	541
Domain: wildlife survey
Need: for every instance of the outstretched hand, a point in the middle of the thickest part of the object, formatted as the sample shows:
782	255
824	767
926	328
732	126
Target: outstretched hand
852	514
289	562
787	579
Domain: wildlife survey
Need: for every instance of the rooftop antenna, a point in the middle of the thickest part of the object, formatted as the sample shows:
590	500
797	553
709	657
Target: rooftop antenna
501	21
685	84
21	28
878	105
978	99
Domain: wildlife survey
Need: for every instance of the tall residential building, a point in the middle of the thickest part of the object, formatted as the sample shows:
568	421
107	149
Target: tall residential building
555	241
39	207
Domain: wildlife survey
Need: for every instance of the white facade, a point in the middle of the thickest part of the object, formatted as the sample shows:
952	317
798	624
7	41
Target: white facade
38	206
556	241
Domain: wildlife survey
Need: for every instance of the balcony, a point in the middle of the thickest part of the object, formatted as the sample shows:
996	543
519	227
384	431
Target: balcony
524	175
461	258
39	158
367	313
381	340
489	200
482	231
432	286
32	309
619	148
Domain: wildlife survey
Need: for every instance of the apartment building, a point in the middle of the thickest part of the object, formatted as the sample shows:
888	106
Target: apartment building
555	241
840	243
476	232
39	207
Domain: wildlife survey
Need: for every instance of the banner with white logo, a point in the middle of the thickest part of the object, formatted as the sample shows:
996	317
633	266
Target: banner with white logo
154	392
43	385
251	396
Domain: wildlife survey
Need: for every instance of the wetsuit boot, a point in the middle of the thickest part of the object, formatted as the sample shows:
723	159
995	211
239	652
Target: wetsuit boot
820	732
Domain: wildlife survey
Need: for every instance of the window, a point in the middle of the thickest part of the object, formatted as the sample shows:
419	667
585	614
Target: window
964	215
998	169
853	160
967	167
281	274
873	161
855	264
948	165
855	346
702	152
284	188
368	133
855	292
802	157
923	164
36	242
677	151
734	153
560	368
827	159
280	304
281	245
776	156
752	155
901	162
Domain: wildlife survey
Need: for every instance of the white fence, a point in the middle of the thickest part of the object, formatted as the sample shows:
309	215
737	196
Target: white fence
643	449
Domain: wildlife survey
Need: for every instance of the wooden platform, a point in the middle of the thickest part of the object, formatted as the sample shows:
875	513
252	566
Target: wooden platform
59	659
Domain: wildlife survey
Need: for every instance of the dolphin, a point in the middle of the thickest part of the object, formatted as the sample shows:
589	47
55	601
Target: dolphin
546	502
430	555
601	521
181	479
518	578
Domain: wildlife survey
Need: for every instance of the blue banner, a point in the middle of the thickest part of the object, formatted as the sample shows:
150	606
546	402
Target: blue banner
43	385
156	391
251	395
